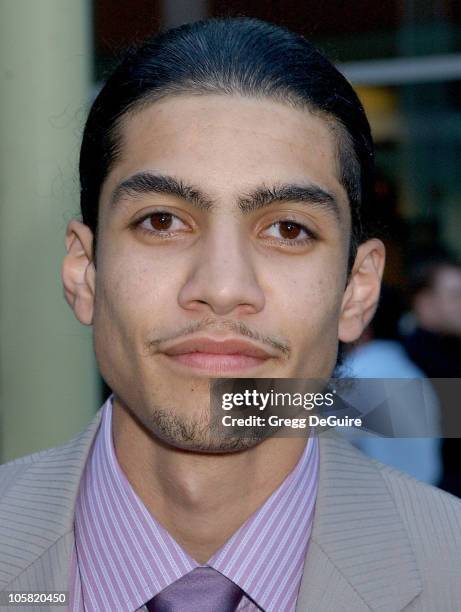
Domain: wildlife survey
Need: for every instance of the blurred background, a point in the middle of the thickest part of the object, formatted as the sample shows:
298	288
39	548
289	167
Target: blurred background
403	57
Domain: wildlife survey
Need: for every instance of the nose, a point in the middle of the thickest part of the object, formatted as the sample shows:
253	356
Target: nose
222	279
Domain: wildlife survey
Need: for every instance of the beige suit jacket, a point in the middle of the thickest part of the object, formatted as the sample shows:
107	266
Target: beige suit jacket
380	541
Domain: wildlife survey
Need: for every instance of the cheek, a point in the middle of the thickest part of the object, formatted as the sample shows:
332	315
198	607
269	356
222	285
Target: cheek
132	297
309	291
308	304
315	308
134	301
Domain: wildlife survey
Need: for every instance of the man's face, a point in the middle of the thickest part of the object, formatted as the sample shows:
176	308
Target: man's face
225	256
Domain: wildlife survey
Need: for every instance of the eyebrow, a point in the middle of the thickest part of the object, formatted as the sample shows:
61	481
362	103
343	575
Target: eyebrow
146	182
309	193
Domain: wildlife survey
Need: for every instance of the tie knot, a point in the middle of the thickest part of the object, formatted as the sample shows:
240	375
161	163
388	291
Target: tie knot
202	590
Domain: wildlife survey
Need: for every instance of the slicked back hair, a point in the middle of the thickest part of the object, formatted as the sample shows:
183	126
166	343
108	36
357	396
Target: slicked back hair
231	56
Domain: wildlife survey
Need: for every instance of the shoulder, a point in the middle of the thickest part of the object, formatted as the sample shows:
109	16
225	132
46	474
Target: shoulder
37	500
395	542
428	512
432	519
41	468
14	470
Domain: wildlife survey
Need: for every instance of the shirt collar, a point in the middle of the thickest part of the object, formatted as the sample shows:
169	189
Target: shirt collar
125	557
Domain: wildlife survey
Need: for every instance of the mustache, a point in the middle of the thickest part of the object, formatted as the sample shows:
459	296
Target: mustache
237	327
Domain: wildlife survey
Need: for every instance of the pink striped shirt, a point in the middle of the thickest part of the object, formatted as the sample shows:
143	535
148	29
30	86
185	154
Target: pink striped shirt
123	557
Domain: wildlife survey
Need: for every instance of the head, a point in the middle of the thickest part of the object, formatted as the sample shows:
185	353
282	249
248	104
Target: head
223	168
436	295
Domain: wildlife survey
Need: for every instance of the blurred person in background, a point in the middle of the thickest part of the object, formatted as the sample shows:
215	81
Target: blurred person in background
434	345
379	354
435	341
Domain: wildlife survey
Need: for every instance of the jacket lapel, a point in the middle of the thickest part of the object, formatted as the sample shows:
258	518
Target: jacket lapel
44	528
359	557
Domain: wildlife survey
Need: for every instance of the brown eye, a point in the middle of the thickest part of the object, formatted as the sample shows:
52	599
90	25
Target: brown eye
161	221
162	224
290	233
289	230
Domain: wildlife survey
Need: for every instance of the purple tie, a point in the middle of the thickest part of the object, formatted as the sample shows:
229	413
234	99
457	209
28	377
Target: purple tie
201	590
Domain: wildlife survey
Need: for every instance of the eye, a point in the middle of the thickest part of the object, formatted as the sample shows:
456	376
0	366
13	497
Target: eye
288	231
161	222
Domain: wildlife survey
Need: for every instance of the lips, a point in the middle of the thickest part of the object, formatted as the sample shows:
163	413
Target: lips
214	347
217	357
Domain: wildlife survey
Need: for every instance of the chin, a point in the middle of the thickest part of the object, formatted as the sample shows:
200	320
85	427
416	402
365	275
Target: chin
199	434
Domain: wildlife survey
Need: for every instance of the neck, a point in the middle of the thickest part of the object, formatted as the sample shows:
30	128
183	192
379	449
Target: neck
200	499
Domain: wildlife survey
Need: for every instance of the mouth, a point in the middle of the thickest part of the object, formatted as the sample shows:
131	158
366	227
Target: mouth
211	357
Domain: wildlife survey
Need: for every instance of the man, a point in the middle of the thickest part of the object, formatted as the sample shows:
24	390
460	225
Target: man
223	169
435	346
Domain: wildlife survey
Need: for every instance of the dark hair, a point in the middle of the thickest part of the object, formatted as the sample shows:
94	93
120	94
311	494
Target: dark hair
391	306
423	273
241	56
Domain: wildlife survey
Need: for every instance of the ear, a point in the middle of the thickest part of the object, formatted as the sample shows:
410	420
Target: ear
362	292
78	271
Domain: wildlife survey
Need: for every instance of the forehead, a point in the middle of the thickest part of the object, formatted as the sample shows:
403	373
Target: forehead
227	144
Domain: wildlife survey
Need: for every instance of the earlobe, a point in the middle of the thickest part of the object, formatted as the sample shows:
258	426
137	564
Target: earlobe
78	271
362	292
